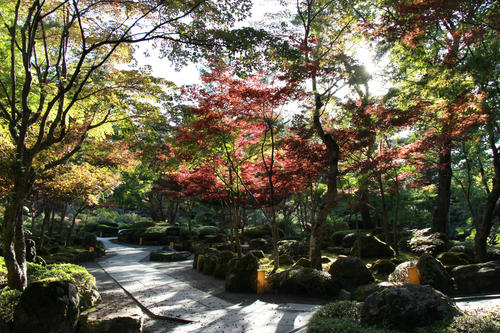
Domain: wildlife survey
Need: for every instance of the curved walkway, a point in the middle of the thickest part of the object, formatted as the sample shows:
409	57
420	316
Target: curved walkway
166	296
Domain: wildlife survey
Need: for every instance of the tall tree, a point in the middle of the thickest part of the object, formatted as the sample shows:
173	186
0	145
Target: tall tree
442	43
59	79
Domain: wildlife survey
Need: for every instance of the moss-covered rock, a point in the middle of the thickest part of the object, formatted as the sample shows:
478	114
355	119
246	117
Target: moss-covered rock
222	262
125	324
425	241
259	254
433	273
167	256
453	258
407	307
51	306
210	263
348	240
305	281
293	248
383	267
241	274
477	278
351	272
362	292
259	244
369	246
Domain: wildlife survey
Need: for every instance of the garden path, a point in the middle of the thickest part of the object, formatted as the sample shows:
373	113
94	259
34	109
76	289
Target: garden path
165	296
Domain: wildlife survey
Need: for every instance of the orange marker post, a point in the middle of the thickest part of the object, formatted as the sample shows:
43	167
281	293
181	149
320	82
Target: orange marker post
413	275
261	281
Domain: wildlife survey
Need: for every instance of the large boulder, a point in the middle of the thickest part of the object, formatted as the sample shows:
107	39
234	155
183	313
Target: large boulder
51	307
400	273
478	278
259	244
407	307
305	281
453	258
210	263
383	267
127	320
222	262
293	248
167	256
350	272
369	246
433	273
259	254
426	241
349	239
241	274
362	292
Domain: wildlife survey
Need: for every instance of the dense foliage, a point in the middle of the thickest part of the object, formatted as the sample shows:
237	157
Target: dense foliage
284	129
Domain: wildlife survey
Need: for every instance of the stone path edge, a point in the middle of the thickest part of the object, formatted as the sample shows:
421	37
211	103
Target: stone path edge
142	306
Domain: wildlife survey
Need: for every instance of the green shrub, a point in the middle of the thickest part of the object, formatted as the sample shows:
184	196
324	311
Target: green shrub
8	302
90	227
126	219
207	230
107	230
105	214
85	239
257	231
340	226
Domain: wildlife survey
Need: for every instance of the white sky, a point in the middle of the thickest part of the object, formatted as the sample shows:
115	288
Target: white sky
190	74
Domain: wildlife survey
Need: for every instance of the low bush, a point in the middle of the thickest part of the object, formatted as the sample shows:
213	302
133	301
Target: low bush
207	230
8	301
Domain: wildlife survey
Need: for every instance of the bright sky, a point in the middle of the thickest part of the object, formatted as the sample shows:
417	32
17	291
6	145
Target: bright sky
190	74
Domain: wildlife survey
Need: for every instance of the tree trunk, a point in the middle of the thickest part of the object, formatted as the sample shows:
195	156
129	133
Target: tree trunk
484	228
61	224
385	217
52	221
364	209
46	218
73	222
329	201
13	244
440	219
395	217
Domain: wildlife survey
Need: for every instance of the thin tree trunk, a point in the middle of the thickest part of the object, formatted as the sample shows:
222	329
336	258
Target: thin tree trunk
484	228
48	209
52	221
61	224
440	218
395	218
73	222
329	201
385	217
